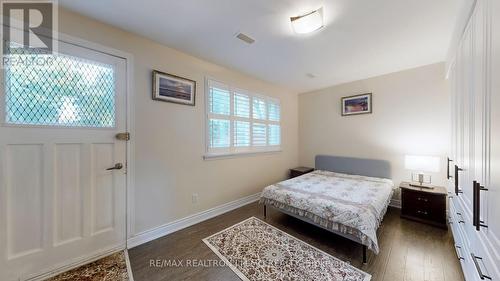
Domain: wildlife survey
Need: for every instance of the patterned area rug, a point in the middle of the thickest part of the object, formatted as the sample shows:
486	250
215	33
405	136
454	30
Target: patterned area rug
255	250
110	268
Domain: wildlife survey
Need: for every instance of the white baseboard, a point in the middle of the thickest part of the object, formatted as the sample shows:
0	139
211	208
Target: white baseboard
395	203
160	231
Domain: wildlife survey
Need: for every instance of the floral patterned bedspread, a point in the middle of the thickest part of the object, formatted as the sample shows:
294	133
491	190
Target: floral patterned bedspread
349	204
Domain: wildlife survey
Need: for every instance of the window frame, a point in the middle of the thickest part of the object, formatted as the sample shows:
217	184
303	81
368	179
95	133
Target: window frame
232	150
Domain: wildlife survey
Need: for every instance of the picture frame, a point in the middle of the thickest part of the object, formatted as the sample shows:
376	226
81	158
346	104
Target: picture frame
356	105
171	88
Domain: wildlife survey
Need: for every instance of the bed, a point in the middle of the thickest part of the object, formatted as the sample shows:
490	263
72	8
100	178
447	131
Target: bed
347	196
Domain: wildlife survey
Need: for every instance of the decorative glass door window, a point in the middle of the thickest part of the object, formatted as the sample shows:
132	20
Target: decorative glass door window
63	91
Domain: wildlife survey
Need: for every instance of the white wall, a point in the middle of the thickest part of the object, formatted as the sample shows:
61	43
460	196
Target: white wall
170	137
410	116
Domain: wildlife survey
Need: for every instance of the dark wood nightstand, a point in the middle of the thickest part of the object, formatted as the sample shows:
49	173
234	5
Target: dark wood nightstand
299	171
423	204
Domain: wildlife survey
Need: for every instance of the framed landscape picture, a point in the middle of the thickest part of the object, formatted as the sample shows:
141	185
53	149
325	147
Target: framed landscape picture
358	104
171	88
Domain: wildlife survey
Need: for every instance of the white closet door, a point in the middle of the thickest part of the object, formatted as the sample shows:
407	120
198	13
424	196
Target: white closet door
478	153
490	200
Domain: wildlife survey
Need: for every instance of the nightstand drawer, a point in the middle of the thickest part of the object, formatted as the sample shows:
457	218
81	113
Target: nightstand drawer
424	205
416	199
424	213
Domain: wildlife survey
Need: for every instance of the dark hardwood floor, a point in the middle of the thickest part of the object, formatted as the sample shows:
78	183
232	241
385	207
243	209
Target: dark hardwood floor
410	251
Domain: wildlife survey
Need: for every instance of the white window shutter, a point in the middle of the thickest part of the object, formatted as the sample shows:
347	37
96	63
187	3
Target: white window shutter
259	137
241	134
219	133
241	122
241	105
274	110
274	134
259	108
219	112
220	101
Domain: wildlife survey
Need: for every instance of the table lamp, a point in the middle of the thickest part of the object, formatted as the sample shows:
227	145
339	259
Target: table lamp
419	165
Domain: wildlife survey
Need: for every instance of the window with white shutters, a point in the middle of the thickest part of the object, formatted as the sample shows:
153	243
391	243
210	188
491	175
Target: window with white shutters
240	122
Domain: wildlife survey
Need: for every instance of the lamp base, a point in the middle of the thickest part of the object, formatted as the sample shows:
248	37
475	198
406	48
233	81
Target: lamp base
421	185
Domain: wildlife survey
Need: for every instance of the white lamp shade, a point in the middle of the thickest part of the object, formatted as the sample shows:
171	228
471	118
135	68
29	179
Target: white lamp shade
429	164
308	23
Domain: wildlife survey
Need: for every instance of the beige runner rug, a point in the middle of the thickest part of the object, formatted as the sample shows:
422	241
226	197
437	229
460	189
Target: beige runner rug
255	250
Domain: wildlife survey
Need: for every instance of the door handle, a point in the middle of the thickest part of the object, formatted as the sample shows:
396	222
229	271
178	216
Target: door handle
448	176
476	209
118	166
475	204
458	249
478	268
457	189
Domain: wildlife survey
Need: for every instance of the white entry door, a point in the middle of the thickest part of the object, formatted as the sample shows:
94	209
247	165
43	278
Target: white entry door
60	201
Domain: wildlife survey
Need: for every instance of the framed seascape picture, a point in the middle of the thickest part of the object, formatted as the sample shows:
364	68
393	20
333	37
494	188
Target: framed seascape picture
171	88
358	104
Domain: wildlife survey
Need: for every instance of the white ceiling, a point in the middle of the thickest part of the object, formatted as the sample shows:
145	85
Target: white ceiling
362	38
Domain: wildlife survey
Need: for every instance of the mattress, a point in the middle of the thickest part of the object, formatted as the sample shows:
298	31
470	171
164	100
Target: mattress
350	204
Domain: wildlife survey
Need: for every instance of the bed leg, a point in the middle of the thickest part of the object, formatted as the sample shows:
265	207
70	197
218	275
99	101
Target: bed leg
364	254
265	211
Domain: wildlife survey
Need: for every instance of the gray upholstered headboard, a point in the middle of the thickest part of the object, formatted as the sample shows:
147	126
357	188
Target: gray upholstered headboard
354	166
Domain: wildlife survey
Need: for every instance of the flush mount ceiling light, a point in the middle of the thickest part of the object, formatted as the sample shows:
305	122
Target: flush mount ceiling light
309	22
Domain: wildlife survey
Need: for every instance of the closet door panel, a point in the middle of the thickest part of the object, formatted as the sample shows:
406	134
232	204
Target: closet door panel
466	125
458	118
492	196
478	88
452	76
479	92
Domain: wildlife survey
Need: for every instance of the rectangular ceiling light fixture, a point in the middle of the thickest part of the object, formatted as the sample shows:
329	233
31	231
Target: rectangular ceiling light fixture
309	22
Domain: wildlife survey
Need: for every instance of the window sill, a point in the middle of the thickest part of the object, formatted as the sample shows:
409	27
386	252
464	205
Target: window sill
215	156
